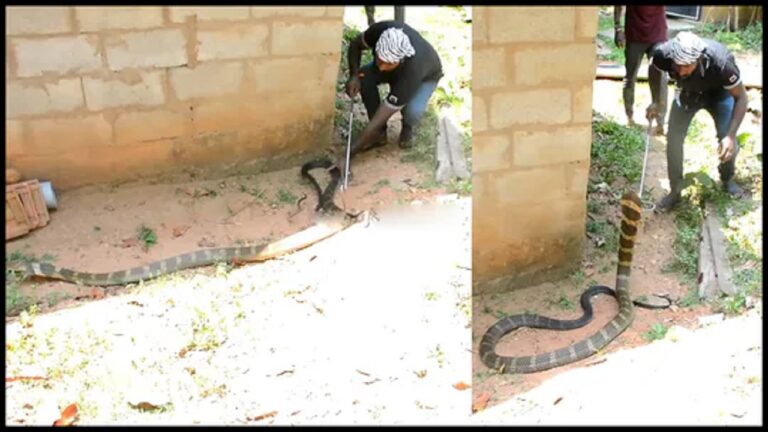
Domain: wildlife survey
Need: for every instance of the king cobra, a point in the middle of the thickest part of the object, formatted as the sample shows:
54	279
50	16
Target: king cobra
631	211
206	257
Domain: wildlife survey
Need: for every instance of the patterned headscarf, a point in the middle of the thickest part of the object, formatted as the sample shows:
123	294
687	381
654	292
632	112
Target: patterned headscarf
394	45
686	48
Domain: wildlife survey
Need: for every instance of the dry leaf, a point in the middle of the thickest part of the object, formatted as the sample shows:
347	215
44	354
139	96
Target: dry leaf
263	416
557	401
421	373
180	230
461	386
24	378
480	403
68	416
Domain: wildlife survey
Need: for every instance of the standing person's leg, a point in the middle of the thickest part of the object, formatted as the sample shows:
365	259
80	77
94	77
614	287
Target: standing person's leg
661	98
400	13
414	111
679	121
633	54
370	11
369	91
721	110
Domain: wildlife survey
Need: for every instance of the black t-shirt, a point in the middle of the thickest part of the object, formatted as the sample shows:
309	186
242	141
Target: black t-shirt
407	77
717	69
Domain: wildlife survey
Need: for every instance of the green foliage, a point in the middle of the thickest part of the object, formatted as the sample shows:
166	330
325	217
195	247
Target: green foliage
147	237
617	151
746	40
657	331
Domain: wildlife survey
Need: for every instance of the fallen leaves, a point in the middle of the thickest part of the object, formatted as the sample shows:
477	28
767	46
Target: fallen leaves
180	230
481	402
461	386
24	378
421	373
68	416
262	416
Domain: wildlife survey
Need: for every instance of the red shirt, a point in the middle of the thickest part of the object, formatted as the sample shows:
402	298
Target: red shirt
646	24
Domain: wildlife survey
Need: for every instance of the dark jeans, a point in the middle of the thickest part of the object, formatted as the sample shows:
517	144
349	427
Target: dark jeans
412	112
399	14
719	104
633	52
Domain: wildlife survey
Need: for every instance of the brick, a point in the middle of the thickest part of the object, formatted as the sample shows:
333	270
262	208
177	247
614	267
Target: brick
577	177
582	104
298	11
286	74
62	55
135	88
330	65
92	18
491	153
299	38
209	79
543	219
207	13
586	21
148	126
550	106
217	115
556	146
334	11
530	24
479	24
529	186
26	98
14	139
239	41
37	20
50	136
489	68
548	65
479	115
154	48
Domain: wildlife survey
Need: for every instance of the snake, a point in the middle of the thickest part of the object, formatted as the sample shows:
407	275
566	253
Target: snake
631	212
206	257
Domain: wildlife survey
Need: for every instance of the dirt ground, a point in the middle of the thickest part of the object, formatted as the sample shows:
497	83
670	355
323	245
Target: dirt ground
652	250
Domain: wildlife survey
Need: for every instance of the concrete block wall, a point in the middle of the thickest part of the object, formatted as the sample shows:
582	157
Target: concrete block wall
99	94
532	72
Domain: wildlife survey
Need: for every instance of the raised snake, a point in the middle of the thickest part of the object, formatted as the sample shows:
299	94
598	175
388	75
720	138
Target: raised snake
205	257
631	211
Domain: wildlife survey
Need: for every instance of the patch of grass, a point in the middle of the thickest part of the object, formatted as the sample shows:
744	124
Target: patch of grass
500	314
438	355
685	247
462	187
617	152
378	185
423	152
746	40
432	296
657	331
285	196
146	237
733	305
253	191
691	298
565	303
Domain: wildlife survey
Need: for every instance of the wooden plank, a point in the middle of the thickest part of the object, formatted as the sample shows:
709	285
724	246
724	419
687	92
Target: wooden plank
720	257
450	160
707	278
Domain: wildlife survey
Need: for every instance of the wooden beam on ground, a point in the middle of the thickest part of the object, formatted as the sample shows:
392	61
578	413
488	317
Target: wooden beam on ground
450	158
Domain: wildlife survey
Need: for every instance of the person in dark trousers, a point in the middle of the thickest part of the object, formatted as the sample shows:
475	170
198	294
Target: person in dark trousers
411	67
370	11
707	78
646	27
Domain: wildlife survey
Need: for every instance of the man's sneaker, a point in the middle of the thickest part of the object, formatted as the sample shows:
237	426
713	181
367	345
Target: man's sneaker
406	136
733	189
667	203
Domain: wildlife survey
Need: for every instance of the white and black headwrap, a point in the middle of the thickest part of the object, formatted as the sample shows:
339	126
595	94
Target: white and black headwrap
686	48
394	45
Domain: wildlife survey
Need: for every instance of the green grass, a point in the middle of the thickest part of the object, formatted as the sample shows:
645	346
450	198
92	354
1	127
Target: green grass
15	300
746	40
285	196
657	331
147	237
617	151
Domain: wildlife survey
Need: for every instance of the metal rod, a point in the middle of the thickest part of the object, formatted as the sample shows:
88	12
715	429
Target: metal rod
645	159
349	142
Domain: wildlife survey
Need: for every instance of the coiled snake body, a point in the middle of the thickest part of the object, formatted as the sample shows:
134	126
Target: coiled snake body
211	256
631	210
